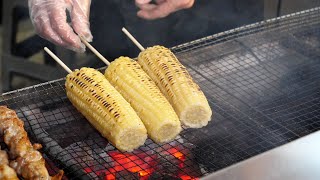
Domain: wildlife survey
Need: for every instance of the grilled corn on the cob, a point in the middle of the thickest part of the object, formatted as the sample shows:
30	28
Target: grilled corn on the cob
177	85
158	116
105	108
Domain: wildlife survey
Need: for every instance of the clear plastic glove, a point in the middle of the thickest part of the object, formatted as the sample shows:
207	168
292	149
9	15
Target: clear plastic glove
161	8
50	21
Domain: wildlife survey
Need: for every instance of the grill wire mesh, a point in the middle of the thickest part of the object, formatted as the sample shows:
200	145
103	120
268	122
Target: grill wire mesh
262	82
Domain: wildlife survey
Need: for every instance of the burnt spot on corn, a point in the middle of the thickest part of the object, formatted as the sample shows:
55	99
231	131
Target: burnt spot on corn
105	103
117	115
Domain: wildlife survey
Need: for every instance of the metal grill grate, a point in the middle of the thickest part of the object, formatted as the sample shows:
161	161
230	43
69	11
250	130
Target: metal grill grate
262	82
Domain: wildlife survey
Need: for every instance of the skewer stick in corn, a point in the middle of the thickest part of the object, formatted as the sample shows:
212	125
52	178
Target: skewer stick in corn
95	51
158	116
58	60
176	84
104	107
134	40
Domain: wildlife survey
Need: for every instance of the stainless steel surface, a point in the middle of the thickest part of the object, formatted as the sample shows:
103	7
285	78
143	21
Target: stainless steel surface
298	160
275	8
261	80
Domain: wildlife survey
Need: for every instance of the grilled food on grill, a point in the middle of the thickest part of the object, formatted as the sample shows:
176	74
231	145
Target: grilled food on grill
28	162
105	108
6	172
177	85
158	116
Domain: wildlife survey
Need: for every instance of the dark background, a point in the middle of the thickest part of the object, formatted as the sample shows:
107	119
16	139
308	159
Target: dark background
205	18
24	63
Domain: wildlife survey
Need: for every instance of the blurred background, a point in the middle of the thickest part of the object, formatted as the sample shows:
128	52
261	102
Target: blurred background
23	62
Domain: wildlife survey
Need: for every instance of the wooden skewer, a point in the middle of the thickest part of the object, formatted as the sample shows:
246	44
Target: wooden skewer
65	67
134	40
95	51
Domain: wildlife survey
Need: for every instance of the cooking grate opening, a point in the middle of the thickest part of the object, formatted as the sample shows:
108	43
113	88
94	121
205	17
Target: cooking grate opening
262	82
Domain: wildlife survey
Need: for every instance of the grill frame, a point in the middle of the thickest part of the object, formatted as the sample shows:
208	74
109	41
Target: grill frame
253	112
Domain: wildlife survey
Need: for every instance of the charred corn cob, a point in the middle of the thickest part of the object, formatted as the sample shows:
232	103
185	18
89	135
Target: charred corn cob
105	108
177	85
158	116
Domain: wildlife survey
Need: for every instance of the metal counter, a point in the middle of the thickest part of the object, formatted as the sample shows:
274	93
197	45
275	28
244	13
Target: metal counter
298	160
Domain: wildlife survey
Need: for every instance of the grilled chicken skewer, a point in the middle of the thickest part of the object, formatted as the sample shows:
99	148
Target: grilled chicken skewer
28	162
6	172
175	83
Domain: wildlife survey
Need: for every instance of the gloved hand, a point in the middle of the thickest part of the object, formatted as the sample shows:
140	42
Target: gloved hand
50	21
162	8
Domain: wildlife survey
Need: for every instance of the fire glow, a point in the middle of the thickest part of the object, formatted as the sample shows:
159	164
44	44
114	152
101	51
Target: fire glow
142	164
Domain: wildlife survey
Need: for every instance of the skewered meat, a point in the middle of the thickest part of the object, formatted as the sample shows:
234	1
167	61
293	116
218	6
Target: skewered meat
6	172
28	162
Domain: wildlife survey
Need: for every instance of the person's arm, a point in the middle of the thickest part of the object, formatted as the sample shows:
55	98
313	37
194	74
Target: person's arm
50	21
161	8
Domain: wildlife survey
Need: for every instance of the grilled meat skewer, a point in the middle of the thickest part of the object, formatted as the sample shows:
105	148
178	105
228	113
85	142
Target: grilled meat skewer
6	172
28	162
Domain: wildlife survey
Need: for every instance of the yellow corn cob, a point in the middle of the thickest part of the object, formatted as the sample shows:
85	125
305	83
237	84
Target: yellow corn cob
105	108
158	116
177	85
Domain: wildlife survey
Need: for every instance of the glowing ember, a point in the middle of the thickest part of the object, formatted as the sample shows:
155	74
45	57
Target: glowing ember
186	177
177	154
141	164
